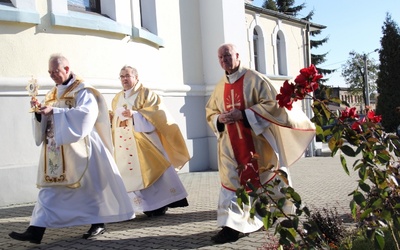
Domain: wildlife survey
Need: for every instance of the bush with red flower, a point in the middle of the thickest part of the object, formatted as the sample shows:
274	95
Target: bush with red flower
375	200
305	83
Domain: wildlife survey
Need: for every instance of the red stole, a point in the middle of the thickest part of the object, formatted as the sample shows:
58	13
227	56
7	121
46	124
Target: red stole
240	136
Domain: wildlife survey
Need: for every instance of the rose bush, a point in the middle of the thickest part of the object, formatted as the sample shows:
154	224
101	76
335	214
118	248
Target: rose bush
375	200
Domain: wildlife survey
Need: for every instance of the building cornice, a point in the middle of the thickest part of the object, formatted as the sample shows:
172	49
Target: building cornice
313	26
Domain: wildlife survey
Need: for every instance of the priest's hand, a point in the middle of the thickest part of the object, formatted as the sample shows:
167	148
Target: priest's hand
46	110
229	117
35	103
235	115
127	113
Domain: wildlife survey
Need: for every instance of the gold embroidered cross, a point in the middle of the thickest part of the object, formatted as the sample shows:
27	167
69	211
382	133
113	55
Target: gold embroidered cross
232	105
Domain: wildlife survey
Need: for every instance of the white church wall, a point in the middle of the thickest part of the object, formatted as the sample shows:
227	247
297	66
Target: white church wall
96	55
179	62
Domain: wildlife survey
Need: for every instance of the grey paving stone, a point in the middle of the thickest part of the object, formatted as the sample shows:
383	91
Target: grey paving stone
320	181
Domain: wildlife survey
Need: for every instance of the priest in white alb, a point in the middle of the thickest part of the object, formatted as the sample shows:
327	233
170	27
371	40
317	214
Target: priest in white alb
244	115
149	147
78	179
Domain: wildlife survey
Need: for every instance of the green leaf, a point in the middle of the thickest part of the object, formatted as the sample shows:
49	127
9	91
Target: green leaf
306	211
370	232
267	220
327	112
359	198
347	150
251	186
281	202
353	209
296	197
253	194
364	187
260	209
396	222
291	235
283	240
383	158
345	103
366	214
243	197
264	199
377	203
252	212
286	223
319	130
344	165
240	202
332	143
296	222
379	240
359	149
336	100
386	215
362	172
378	147
327	132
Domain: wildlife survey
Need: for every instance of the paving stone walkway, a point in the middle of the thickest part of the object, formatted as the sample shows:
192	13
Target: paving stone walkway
320	181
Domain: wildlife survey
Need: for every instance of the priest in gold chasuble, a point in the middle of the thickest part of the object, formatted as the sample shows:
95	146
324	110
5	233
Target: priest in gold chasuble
148	147
244	115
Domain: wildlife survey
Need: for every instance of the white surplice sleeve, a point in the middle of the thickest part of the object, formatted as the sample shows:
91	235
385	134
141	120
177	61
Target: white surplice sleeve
142	124
261	126
71	125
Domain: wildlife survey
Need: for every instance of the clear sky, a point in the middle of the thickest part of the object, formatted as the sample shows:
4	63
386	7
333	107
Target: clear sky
351	25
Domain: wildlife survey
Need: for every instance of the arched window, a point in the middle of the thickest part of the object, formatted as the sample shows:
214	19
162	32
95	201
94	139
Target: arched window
148	15
281	54
257	49
256	46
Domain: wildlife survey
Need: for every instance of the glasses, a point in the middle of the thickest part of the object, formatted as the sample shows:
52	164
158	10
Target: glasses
54	71
125	76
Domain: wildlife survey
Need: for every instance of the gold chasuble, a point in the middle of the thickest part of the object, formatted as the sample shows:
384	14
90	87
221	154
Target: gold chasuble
142	157
54	170
238	133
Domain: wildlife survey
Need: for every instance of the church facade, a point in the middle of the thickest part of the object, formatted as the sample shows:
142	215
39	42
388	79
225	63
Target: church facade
173	44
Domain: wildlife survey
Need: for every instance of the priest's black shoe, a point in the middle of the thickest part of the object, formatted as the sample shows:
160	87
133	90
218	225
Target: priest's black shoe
95	229
226	235
158	212
32	234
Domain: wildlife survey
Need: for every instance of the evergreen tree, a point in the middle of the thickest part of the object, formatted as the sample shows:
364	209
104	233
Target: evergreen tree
270	5
389	75
318	59
283	6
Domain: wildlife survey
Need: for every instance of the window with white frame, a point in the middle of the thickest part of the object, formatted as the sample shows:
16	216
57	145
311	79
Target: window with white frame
115	16
104	15
19	11
255	45
281	53
259	55
148	17
144	21
84	5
